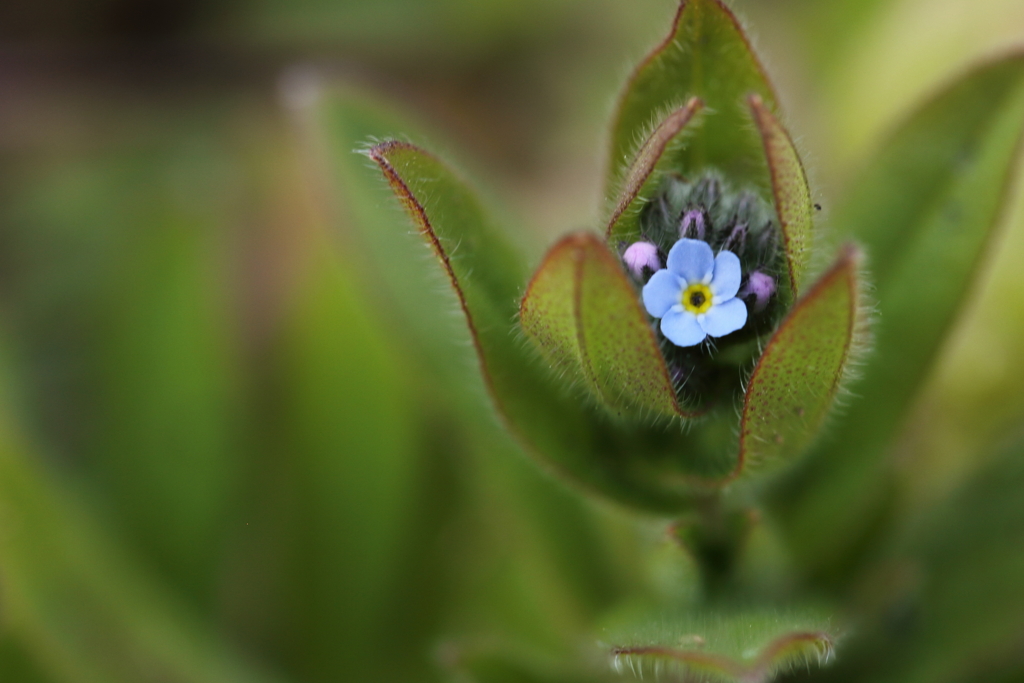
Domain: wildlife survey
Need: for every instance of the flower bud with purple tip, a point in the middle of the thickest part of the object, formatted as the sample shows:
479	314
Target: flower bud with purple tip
692	225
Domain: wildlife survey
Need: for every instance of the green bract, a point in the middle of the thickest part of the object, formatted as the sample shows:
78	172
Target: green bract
594	402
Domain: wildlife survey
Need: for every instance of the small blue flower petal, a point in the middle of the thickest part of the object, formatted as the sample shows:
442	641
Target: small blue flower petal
661	293
726	280
681	327
692	260
723	318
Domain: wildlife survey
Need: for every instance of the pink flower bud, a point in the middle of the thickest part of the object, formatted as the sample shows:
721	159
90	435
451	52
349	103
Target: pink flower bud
762	287
642	255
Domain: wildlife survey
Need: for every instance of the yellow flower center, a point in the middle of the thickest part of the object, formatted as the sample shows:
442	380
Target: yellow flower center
697	298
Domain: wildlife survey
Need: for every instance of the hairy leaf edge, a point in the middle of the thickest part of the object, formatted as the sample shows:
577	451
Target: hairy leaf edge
768	125
664	46
378	154
847	265
769	659
579	243
646	160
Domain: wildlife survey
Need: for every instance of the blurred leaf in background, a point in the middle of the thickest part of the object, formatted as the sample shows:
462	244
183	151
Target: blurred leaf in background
198	363
228	455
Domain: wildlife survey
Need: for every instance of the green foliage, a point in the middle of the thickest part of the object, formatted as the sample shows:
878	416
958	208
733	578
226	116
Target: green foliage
78	605
726	644
313	415
646	173
944	602
236	446
574	570
791	192
583	313
368	225
138	325
924	209
580	308
796	380
631	462
707	56
17	665
495	666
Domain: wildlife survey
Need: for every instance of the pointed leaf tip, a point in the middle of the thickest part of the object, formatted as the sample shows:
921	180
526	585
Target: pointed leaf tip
705	55
485	271
640	179
796	380
584	314
790	190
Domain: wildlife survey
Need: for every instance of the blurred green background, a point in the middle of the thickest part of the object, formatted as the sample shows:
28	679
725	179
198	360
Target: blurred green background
222	460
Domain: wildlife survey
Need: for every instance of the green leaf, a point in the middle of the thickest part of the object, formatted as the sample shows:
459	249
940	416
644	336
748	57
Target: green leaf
796	379
16	663
707	56
464	449
338	385
490	666
127	317
77	606
646	173
724	645
583	312
384	258
945	600
485	271
925	210
968	554
634	462
791	192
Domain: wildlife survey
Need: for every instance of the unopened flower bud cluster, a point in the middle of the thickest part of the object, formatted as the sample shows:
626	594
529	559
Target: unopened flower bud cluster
708	262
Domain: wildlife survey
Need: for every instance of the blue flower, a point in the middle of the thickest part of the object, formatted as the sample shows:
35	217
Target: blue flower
695	295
